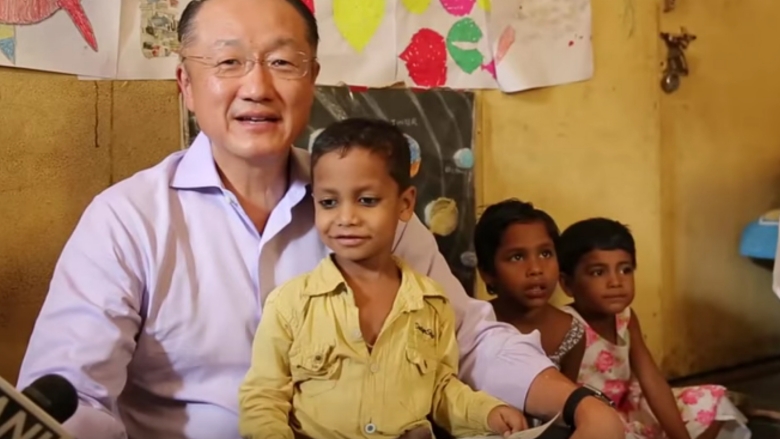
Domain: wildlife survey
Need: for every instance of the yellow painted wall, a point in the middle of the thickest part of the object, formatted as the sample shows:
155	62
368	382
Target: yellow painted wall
720	142
685	171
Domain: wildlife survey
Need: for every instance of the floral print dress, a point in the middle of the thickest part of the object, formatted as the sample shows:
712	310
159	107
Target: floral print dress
605	366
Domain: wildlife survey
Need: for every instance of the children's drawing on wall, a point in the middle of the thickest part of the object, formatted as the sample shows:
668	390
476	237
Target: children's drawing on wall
511	45
159	24
357	44
444	44
25	12
59	35
540	43
441	149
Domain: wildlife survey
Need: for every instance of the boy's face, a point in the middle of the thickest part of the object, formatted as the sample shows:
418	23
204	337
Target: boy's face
603	281
358	204
526	268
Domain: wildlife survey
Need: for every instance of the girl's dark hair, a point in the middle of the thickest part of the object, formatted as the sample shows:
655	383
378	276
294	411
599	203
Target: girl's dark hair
592	234
186	22
497	218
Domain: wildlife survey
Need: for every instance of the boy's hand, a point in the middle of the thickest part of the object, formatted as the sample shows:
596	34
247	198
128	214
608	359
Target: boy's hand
506	420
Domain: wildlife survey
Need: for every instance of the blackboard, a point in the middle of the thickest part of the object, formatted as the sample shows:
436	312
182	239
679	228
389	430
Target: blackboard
440	126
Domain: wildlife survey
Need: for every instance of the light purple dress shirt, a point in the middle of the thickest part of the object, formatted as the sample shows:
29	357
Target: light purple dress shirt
155	299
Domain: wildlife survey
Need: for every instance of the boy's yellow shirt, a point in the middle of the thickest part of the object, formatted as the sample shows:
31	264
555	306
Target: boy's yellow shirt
310	362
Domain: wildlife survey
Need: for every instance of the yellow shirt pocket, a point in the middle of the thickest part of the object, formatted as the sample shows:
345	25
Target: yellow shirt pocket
315	369
419	376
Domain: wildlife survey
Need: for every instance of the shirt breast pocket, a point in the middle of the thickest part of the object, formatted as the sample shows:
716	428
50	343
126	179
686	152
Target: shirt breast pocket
420	367
315	369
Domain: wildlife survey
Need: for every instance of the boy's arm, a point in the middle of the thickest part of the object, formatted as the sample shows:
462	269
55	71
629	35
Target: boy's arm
655	388
456	407
265	396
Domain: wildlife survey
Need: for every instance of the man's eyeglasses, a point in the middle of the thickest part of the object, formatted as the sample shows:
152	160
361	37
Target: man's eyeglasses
287	66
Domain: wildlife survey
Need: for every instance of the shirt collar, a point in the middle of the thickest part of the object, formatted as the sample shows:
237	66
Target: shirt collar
327	279
197	169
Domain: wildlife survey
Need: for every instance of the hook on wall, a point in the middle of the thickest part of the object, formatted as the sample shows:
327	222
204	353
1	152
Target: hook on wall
676	64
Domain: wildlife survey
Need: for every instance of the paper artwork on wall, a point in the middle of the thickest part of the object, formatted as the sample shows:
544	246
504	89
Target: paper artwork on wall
540	43
67	36
357	44
148	39
444	43
512	45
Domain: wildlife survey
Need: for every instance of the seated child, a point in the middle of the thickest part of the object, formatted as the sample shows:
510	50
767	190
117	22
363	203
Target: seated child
597	258
516	255
362	345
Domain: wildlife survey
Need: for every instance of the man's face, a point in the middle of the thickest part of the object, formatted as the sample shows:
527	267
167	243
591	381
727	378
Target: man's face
252	115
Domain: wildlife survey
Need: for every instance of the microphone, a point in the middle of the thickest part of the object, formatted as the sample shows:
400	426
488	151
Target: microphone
38	411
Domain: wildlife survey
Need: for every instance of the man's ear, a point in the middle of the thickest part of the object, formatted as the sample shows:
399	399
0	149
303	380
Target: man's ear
408	199
184	82
315	71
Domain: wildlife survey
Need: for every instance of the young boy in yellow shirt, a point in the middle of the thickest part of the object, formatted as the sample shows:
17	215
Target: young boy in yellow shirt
362	346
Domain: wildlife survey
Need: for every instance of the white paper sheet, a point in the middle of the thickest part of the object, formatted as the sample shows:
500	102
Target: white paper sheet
540	43
444	43
67	36
357	42
531	433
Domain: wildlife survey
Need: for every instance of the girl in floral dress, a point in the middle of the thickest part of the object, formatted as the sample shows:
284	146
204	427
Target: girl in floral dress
597	260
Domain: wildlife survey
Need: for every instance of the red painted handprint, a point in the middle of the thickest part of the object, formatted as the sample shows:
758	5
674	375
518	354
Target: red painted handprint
14	12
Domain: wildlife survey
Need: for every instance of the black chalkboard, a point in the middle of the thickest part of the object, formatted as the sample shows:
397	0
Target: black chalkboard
440	125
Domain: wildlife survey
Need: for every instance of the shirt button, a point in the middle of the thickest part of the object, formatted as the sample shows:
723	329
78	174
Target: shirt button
357	335
374	368
370	428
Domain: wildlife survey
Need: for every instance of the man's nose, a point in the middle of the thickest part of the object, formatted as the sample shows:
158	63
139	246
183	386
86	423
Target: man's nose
258	84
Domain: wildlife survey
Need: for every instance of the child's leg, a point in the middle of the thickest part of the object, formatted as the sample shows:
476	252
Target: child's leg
712	431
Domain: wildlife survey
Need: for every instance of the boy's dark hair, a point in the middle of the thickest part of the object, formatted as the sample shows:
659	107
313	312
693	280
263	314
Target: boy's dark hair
378	136
592	234
186	21
497	218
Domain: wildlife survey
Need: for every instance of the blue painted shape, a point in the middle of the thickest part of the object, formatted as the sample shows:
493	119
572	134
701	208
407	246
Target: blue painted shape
8	47
759	239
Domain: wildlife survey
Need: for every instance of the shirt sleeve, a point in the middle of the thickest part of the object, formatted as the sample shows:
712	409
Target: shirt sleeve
86	328
494	357
265	396
456	407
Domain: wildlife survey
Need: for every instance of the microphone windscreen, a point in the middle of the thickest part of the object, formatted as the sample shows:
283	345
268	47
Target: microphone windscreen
55	395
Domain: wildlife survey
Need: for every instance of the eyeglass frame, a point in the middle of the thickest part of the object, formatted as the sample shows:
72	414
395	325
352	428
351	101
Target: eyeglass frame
210	61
